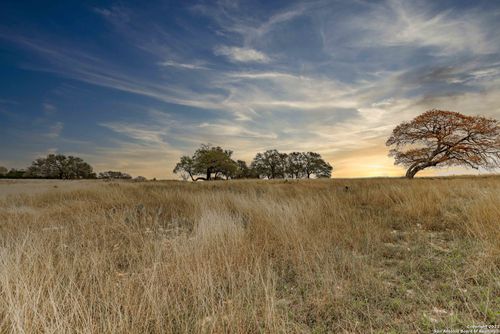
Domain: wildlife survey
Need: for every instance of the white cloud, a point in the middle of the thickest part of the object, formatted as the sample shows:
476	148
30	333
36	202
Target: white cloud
279	91
251	31
87	68
260	75
245	55
171	63
400	22
383	103
234	129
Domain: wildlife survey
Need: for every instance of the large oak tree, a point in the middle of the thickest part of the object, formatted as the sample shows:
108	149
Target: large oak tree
270	164
58	166
445	138
207	163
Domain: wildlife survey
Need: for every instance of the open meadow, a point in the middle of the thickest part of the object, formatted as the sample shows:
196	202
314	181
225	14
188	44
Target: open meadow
309	256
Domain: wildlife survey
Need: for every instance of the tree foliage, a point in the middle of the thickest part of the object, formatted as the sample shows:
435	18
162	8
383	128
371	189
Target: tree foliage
186	168
315	165
213	162
295	165
114	175
445	138
244	172
58	166
207	163
12	173
273	164
270	164
15	174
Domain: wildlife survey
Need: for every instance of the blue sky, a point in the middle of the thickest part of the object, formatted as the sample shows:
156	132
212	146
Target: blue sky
133	85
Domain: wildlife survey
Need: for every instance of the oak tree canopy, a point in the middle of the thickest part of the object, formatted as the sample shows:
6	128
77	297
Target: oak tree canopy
445	138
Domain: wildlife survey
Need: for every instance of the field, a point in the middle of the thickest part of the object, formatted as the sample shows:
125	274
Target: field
381	256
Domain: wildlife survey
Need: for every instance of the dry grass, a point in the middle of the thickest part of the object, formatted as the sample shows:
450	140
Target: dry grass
388	255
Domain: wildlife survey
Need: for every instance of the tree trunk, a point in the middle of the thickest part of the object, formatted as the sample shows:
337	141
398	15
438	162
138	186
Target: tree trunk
414	169
410	173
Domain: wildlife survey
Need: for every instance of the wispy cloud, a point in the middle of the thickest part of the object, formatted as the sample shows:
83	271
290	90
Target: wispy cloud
171	63
230	19
244	55
234	130
91	69
416	24
138	132
113	13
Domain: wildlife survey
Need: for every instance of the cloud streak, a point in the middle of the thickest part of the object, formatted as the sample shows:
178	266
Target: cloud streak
244	55
188	66
405	23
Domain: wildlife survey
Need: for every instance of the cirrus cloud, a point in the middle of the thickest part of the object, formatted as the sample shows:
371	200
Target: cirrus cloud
243	55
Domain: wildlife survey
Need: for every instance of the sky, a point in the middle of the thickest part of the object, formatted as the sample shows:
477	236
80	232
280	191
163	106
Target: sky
133	85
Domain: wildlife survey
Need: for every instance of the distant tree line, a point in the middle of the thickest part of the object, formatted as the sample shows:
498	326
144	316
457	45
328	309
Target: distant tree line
213	163
115	175
12	173
59	166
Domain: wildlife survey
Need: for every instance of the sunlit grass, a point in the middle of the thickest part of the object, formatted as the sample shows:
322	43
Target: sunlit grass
252	256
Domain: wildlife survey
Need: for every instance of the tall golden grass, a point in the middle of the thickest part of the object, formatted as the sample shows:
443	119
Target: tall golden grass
384	255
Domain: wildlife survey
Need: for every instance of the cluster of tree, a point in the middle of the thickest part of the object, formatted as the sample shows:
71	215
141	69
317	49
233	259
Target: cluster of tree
213	162
439	138
114	175
272	164
12	173
58	166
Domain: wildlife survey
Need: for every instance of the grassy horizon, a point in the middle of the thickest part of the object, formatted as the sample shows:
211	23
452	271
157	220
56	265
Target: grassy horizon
386	255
